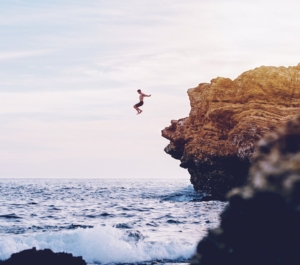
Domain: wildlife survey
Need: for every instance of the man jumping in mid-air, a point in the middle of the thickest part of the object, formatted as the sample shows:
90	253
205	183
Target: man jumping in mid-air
136	106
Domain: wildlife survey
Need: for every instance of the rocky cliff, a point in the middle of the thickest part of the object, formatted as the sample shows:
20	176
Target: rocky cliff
227	118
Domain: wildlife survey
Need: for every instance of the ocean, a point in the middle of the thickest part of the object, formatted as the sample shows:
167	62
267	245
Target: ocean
106	221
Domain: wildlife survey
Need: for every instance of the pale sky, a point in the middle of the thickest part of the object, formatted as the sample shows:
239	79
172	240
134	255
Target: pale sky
69	71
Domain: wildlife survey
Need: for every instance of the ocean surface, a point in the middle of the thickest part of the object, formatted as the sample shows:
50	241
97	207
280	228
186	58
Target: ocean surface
105	220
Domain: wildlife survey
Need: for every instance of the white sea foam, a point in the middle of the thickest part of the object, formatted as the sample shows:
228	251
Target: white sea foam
97	245
126	221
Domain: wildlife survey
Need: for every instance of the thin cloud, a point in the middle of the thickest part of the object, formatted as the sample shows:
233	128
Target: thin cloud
9	55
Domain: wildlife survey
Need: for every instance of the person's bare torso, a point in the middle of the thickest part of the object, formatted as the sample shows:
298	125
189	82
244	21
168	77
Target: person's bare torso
142	97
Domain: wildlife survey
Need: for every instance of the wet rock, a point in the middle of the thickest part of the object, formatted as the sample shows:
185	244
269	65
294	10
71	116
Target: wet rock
261	224
133	236
45	257
228	117
123	226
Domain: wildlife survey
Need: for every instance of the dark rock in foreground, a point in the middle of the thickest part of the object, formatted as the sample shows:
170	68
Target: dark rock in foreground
261	224
42	257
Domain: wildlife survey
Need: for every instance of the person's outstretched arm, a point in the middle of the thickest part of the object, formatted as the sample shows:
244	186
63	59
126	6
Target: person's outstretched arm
146	95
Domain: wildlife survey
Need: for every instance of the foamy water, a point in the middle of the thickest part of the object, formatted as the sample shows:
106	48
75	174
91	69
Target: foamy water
105	221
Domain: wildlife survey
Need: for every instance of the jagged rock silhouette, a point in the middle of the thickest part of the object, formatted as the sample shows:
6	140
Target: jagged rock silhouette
261	224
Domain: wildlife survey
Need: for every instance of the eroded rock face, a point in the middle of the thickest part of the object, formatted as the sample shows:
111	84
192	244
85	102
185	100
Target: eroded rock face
261	222
227	118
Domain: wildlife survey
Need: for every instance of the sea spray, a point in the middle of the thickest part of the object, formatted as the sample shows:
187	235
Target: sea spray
102	244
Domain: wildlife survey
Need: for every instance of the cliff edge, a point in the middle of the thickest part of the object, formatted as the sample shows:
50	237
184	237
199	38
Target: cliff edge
227	118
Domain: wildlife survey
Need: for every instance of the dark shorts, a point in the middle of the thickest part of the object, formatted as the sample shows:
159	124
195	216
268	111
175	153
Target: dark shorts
141	103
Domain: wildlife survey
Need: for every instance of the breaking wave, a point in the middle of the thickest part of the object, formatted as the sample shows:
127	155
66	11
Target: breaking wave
102	244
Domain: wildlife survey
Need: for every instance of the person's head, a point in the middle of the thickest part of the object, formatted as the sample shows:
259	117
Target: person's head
139	91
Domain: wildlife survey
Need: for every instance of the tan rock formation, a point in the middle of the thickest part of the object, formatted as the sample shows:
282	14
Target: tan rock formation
216	142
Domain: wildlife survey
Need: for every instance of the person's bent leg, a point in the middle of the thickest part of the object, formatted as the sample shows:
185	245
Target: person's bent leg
136	108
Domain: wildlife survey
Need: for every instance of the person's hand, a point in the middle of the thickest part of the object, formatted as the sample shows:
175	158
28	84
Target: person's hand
149	95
